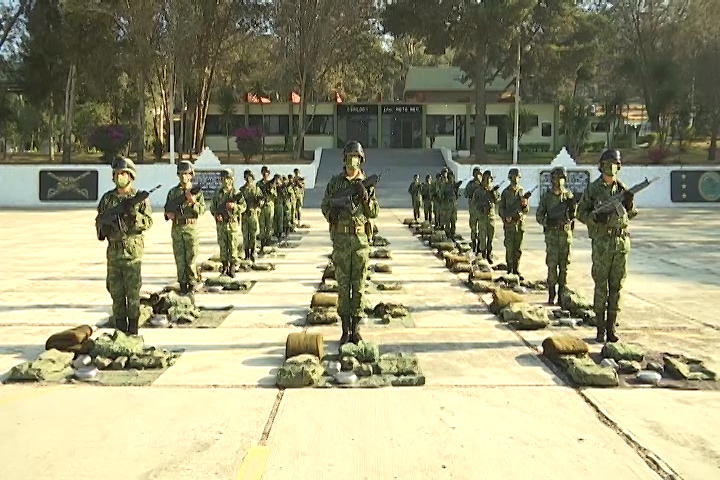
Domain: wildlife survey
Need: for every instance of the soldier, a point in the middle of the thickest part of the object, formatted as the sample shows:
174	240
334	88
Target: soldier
279	218
484	199
287	201
474	214
349	233
226	207
610	242
267	207
512	209
442	210
415	191
249	218
426	194
556	213
299	195
184	232
290	214
125	247
452	192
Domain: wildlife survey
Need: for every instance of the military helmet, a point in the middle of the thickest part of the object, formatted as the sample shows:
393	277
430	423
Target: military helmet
248	174
185	166
514	172
264	169
487	173
227	173
354	148
558	172
122	164
611	155
476	171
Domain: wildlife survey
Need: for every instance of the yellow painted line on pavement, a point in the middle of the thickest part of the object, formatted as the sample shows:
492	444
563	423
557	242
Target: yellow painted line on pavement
253	466
32	392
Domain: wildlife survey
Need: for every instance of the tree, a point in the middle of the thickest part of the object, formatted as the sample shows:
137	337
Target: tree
527	120
11	15
316	36
575	125
227	101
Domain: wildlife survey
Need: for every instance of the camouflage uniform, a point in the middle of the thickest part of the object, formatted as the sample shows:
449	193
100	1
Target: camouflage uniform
512	208
435	191
449	196
290	208
249	218
415	191
286	195
484	200
610	242
558	229
184	232
349	233
227	222
125	250
299	195
278	218
426	194
473	185
267	210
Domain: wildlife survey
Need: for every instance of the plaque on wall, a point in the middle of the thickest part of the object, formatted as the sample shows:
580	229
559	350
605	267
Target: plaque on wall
209	181
577	181
357	109
68	185
402	109
697	186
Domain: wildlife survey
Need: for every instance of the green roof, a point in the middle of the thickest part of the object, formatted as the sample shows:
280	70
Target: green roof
444	79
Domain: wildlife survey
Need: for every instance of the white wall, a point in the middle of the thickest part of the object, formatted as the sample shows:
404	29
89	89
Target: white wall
19	184
656	195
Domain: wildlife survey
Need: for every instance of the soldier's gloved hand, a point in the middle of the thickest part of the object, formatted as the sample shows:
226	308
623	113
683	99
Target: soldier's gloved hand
628	200
189	197
170	215
219	218
601	217
230	205
496	187
363	192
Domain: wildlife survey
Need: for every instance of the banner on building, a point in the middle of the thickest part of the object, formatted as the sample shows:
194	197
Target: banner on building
695	186
68	185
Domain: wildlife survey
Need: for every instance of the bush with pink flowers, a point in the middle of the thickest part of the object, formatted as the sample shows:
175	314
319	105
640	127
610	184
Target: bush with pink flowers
110	140
249	141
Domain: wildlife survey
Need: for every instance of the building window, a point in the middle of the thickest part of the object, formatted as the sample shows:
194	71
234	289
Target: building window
440	125
316	124
547	129
274	124
215	124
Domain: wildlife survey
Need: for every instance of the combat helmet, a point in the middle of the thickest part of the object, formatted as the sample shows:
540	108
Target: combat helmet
354	148
185	166
612	156
227	173
476	171
248	174
558	172
487	174
122	164
514	172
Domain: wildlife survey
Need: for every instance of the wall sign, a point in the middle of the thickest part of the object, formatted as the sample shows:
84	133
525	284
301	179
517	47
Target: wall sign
402	109
577	181
698	186
68	185
357	109
209	181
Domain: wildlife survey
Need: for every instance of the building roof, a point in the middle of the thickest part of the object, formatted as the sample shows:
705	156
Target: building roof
444	79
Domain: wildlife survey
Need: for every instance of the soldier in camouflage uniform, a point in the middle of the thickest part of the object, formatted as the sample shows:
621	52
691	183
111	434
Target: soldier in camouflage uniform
473	185
286	194
451	194
278	218
610	242
349	233
484	200
125	247
267	209
184	232
512	208
436	200
226	207
442	207
290	214
556	213
299	195
249	218
415	191
426	194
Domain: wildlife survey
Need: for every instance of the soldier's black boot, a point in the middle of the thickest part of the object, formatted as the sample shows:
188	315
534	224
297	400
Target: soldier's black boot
551	294
346	327
600	326
184	289
517	272
252	255
133	325
224	268
488	252
231	270
611	325
355	331
561	289
510	268
122	324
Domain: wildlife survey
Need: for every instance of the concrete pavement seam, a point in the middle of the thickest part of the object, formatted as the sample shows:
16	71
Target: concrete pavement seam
271	418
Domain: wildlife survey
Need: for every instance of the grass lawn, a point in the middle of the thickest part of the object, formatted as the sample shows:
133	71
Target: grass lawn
271	158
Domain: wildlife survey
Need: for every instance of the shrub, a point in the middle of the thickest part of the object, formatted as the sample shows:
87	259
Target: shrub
248	141
658	154
110	140
594	146
534	148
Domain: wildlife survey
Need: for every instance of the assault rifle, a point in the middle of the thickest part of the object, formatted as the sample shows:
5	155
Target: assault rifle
111	218
345	199
223	211
487	204
516	214
173	206
563	211
615	203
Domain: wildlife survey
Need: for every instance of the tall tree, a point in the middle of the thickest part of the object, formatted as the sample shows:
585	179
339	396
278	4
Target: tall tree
11	16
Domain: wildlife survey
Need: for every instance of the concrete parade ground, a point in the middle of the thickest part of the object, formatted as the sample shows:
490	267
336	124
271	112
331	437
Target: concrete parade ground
490	409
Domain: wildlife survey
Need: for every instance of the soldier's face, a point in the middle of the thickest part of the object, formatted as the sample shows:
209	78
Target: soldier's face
186	177
122	179
352	162
227	182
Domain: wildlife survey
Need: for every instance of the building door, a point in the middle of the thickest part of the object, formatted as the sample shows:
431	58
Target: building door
406	133
358	129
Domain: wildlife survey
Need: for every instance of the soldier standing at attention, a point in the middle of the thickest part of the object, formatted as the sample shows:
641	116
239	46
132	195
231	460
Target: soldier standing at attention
512	209
349	231
278	219
299	195
473	185
184	232
426	194
249	218
291	216
556	214
415	191
610	242
125	247
227	210
267	209
452	192
484	199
